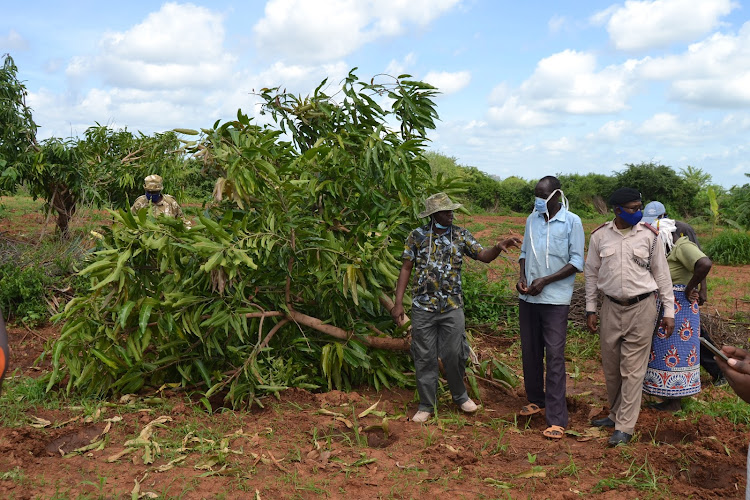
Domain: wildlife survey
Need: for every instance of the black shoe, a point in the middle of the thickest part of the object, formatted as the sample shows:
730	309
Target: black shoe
619	437
719	381
603	422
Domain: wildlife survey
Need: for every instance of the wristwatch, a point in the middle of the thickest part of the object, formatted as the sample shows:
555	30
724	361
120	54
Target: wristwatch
589	313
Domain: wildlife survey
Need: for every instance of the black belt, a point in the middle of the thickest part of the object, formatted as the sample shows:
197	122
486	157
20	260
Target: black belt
631	301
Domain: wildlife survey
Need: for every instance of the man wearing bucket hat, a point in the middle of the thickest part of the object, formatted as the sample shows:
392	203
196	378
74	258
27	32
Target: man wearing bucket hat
436	251
161	204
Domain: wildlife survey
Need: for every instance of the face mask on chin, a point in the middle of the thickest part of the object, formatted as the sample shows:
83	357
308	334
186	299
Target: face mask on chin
629	218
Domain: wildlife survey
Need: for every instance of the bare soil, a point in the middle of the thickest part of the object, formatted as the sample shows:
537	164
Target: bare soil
312	445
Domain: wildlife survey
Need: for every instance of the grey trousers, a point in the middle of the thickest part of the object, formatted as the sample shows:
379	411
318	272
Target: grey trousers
543	331
625	337
433	336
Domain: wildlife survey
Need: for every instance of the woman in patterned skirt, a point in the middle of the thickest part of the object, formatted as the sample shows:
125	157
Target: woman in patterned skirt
674	366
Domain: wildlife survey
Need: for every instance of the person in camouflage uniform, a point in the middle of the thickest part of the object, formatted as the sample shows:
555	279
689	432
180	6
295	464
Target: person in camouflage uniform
436	251
161	204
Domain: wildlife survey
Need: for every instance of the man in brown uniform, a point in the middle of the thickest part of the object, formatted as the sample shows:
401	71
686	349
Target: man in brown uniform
161	204
625	263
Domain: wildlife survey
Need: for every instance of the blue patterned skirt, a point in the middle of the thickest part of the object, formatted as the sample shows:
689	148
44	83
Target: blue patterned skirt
674	366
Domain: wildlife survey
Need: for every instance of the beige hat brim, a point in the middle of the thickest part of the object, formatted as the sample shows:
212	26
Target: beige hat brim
452	206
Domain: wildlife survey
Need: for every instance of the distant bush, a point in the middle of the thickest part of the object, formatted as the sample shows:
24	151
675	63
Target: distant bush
22	292
660	182
730	248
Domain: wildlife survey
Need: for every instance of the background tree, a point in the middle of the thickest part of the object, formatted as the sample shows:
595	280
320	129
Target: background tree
17	128
660	182
287	281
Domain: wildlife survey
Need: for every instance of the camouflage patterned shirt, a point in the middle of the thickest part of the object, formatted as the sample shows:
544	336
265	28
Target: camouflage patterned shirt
436	276
166	206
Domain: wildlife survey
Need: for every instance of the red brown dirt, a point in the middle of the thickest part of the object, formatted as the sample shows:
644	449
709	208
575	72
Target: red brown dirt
295	448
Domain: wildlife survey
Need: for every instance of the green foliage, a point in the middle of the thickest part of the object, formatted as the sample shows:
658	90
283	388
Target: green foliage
586	192
735	205
517	194
290	264
731	248
486	301
22	293
17	127
660	182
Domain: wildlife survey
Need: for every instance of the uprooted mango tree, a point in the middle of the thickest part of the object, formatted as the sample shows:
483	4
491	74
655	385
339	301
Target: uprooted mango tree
286	280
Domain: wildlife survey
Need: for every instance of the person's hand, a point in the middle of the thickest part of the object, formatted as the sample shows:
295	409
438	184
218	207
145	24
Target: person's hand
667	325
691	294
522	287
397	313
505	244
537	286
736	370
591	321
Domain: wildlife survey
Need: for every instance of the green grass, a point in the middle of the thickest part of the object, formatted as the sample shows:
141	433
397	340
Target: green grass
729	248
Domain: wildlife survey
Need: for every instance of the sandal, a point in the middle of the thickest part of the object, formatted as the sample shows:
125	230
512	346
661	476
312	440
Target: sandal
554	432
529	409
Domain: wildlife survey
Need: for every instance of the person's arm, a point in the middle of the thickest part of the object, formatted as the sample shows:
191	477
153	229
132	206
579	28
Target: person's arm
736	370
538	284
403	280
700	271
487	255
591	276
522	286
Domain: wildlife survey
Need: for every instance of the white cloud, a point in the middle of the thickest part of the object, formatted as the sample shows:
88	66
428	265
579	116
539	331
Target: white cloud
559	146
513	113
396	67
641	25
446	82
179	46
569	82
556	24
13	41
712	73
312	31
610	132
670	129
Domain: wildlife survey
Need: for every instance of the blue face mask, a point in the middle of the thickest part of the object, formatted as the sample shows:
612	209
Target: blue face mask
629	218
540	205
439	226
153	197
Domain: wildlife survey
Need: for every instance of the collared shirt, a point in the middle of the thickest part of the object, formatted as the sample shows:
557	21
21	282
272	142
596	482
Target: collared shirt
166	206
616	265
682	259
436	279
566	246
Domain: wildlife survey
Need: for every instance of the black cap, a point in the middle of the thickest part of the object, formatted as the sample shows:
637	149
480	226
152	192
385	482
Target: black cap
624	195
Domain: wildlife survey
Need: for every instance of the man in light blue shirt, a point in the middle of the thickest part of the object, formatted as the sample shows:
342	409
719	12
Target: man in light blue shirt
551	255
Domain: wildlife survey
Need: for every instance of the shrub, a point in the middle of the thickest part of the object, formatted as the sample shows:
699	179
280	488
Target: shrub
486	301
22	292
731	248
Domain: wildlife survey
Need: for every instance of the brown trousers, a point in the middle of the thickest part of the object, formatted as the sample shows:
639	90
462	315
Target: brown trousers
625	338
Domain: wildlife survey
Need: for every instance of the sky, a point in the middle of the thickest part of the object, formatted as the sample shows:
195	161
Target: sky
528	89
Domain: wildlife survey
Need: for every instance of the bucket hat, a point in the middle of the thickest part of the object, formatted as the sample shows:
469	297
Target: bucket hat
437	203
153	183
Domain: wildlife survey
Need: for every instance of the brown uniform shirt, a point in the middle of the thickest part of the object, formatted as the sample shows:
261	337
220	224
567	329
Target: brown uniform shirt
615	265
166	206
